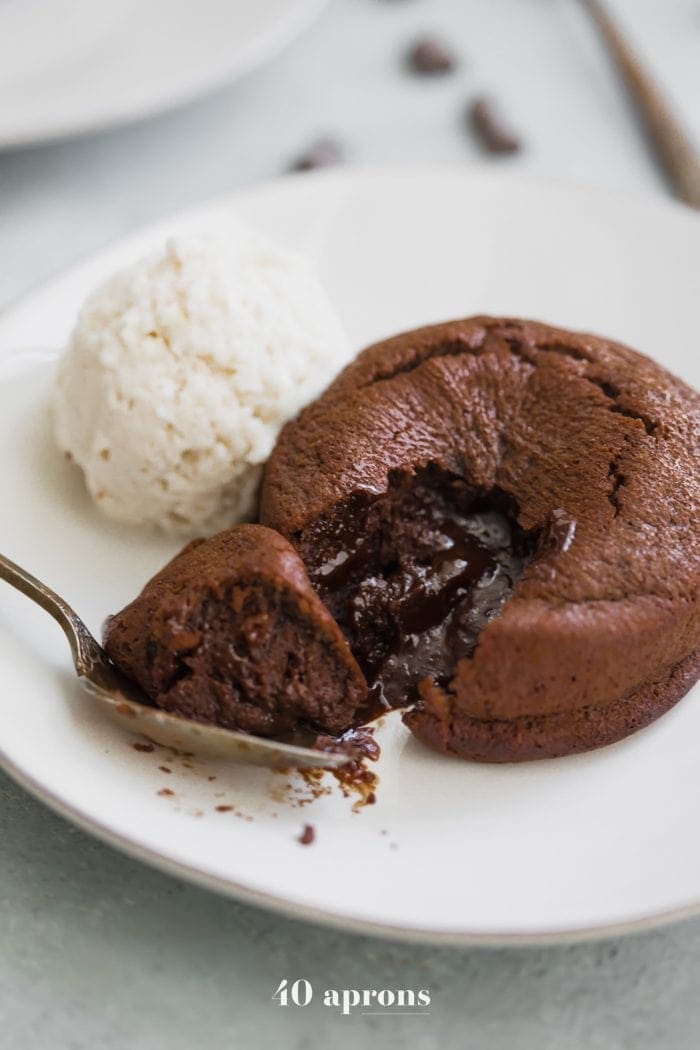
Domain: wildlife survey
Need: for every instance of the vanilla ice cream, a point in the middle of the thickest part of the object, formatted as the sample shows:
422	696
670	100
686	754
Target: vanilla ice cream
181	371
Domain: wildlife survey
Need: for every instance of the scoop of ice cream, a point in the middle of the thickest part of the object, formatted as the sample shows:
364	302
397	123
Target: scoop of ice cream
181	371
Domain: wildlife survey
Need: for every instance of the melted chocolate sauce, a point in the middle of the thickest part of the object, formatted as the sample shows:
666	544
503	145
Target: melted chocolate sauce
414	576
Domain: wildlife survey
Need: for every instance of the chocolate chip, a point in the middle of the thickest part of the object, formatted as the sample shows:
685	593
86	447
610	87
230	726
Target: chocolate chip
430	57
321	154
488	124
308	835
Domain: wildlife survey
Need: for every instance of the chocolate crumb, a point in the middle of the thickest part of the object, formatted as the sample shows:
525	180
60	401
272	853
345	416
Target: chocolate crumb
125	709
430	57
211	778
224	809
308	835
487	123
138	746
357	742
164	769
165	791
321	154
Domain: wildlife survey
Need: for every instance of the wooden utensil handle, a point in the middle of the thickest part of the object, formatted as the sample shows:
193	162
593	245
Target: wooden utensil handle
673	147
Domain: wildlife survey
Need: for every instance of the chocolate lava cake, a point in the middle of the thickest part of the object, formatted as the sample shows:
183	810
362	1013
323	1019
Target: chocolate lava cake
231	632
502	517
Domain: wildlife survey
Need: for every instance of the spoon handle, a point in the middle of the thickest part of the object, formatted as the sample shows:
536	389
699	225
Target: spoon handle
673	147
87	653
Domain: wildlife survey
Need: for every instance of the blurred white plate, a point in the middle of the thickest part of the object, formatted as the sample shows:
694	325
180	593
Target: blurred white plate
70	66
451	851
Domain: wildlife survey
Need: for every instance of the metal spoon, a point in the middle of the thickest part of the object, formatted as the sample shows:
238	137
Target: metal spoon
127	705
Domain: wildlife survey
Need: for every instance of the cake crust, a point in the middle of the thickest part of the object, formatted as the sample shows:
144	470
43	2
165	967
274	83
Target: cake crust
548	736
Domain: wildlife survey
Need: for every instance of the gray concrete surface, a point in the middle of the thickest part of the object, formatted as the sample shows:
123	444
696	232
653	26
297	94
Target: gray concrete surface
101	953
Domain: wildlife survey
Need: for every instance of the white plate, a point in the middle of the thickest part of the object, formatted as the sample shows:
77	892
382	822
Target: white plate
69	66
450	851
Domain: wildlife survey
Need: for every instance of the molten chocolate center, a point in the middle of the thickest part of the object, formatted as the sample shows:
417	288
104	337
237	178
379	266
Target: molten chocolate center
414	576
